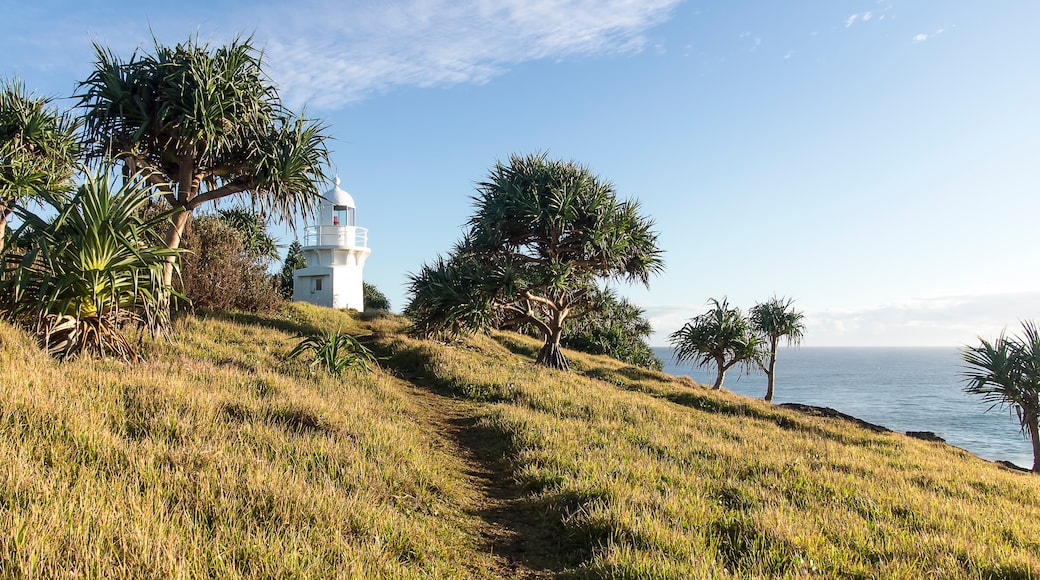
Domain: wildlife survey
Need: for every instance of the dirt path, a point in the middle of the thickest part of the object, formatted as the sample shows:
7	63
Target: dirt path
513	531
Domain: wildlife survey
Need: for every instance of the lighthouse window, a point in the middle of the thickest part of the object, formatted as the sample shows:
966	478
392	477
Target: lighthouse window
317	285
343	215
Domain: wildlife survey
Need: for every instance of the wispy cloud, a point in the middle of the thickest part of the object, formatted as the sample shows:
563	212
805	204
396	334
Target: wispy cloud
923	37
865	17
948	320
329	58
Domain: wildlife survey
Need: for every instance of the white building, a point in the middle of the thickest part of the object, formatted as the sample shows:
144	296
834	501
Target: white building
335	251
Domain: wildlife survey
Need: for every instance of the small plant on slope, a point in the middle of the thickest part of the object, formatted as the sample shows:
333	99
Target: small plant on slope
335	352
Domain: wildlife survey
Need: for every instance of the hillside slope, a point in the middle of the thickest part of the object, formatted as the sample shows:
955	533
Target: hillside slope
217	459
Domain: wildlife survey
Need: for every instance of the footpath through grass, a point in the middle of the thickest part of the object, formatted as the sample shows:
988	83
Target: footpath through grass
644	475
216	459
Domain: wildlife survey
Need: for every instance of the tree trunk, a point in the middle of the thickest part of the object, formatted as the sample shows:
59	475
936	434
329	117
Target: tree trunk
3	226
1034	437
173	241
721	364
551	356
769	372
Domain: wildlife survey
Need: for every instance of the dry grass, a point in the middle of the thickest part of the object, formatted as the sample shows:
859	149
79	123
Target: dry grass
654	477
217	459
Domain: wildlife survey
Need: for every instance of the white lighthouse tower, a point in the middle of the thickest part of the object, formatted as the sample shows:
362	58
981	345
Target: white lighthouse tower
335	250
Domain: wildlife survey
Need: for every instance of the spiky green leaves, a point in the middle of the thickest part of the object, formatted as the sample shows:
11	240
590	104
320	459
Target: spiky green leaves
208	121
562	217
89	270
334	352
776	318
721	336
1006	373
38	148
543	233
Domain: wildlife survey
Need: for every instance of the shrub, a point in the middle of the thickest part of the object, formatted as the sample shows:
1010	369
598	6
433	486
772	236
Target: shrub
82	276
374	299
219	272
294	260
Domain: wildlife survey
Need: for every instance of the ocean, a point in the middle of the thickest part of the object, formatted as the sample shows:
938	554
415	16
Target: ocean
904	389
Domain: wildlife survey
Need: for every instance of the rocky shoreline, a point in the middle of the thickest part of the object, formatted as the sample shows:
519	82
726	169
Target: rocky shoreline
923	435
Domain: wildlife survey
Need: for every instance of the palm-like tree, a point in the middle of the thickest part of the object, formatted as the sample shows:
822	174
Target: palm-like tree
203	124
721	336
1006	373
90	270
544	232
38	148
775	319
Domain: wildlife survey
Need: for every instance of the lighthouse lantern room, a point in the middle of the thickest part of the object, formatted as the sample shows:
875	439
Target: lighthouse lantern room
335	250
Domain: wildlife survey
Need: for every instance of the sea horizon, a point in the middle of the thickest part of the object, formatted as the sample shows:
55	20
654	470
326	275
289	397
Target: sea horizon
911	388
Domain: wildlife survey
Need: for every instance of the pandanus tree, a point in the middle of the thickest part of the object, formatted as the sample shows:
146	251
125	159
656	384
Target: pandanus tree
722	337
544	233
1006	373
204	124
773	320
38	149
93	265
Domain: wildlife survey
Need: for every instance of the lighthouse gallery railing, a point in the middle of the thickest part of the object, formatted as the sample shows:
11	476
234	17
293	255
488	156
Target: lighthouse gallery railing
341	236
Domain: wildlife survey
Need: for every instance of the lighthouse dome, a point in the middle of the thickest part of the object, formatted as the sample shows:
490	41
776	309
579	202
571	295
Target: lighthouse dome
339	197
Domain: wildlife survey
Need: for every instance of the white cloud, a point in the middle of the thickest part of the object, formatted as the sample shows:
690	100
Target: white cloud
938	321
935	321
867	16
328	57
851	20
788	55
920	38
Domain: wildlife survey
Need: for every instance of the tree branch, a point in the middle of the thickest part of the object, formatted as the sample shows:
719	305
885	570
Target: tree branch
222	191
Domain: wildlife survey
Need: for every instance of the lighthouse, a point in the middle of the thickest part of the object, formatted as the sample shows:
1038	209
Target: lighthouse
335	250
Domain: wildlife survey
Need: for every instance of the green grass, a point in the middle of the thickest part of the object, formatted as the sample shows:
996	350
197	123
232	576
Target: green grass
215	458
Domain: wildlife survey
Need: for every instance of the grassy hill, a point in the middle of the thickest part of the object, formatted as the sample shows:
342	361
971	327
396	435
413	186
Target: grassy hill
215	458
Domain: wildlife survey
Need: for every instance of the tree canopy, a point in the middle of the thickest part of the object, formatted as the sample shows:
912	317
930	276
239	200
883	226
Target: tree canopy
543	233
722	336
1006	373
294	260
38	148
203	123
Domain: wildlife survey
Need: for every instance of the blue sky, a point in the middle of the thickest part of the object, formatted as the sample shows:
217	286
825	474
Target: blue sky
877	161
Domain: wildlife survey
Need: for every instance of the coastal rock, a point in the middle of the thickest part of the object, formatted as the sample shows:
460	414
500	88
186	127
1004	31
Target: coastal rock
833	413
926	436
1011	466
